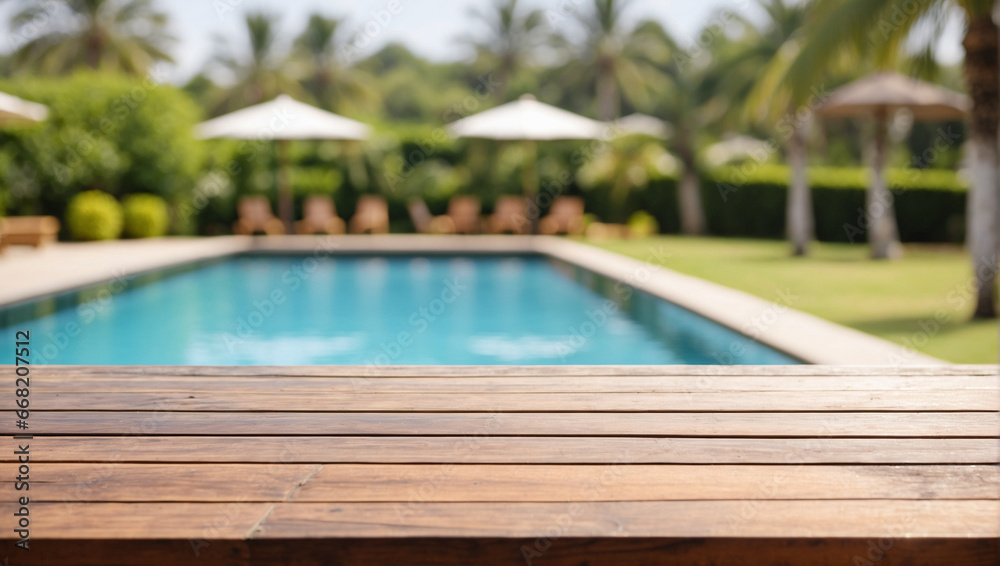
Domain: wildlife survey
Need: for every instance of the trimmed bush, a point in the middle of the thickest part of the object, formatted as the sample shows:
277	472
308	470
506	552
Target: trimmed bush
145	215
643	224
94	215
930	204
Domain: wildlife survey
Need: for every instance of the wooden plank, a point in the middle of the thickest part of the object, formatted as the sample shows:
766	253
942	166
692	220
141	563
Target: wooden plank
563	551
195	521
109	481
518	371
809	519
484	449
233	521
534	551
908	401
560	483
585	384
503	483
889	424
127	552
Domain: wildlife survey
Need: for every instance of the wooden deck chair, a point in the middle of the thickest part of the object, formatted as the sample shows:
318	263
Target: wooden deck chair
427	223
510	215
319	216
464	213
371	215
565	216
255	216
28	231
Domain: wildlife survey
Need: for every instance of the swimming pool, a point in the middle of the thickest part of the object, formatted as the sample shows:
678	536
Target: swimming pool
299	310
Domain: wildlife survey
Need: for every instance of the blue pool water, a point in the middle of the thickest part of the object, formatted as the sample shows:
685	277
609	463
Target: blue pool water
280	309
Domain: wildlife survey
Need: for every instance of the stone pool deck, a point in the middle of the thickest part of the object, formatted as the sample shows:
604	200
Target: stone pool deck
29	273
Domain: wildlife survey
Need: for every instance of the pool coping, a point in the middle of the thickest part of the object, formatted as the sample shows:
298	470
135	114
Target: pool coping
773	323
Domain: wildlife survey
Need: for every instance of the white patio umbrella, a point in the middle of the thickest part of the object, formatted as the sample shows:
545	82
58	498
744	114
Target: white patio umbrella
735	147
879	96
528	121
642	124
283	119
14	110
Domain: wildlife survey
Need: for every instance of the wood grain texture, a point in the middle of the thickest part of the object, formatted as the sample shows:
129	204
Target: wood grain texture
120	383
237	520
560	483
195	482
513	450
472	465
795	519
770	401
887	424
181	482
514	370
141	520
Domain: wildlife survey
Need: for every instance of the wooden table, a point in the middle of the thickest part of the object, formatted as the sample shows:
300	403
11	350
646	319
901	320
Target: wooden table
509	465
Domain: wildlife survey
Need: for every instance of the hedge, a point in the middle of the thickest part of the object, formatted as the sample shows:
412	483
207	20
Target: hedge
930	204
115	133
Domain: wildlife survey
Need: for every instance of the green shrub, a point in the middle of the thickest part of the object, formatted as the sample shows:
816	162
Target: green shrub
145	215
315	180
94	215
643	224
930	204
120	133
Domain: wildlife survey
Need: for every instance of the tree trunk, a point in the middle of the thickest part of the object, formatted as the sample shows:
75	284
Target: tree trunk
981	223
692	216
982	77
799	214
607	93
883	235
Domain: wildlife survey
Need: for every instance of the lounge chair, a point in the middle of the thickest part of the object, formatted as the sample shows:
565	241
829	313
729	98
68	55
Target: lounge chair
371	215
28	231
464	212
255	216
509	215
319	216
427	223
565	216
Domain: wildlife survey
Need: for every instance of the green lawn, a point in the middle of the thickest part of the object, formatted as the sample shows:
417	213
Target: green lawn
898	301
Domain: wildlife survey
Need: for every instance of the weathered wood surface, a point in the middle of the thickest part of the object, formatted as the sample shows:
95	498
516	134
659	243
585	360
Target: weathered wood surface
510	465
714	401
480	447
826	425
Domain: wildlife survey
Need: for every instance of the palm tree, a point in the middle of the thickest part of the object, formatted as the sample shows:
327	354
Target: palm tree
768	47
509	40
259	77
626	166
122	35
333	85
617	61
682	99
878	28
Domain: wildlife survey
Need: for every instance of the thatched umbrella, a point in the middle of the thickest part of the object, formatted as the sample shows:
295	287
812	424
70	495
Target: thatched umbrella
14	110
528	121
283	119
878	97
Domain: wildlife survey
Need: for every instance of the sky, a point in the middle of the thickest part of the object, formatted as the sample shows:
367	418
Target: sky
428	27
